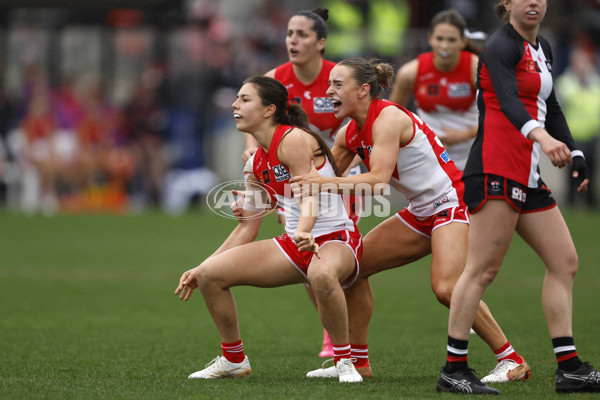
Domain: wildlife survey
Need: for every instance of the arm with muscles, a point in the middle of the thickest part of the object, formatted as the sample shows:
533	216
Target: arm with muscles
343	156
391	129
454	136
253	209
405	82
296	152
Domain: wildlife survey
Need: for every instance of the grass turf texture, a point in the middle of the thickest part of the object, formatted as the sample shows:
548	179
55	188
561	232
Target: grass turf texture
87	311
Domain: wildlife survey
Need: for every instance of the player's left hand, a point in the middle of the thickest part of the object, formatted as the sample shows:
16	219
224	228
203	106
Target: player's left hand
307	184
581	172
187	284
306	242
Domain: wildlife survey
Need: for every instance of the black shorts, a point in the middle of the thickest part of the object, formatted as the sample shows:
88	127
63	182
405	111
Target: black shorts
480	188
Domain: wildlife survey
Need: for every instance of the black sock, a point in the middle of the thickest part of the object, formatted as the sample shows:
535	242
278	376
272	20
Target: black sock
456	358
566	354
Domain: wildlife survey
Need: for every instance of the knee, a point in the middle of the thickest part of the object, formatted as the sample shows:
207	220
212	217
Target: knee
570	265
206	277
443	291
488	275
322	281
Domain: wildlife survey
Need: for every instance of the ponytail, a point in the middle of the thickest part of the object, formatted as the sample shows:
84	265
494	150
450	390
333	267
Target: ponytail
298	118
377	75
501	12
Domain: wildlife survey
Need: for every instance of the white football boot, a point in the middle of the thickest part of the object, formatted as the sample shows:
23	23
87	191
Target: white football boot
323	372
220	367
331	372
508	370
347	372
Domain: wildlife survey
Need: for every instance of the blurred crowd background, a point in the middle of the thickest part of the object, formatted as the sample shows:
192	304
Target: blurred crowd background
123	106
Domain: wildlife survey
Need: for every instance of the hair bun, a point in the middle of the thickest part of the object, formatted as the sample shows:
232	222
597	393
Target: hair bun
322	12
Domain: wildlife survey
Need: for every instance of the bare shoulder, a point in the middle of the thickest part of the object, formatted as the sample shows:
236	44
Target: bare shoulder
296	140
393	116
393	123
407	74
271	73
405	82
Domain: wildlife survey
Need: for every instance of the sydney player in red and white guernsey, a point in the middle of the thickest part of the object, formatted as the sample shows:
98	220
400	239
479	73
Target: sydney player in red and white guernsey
442	83
519	118
398	148
321	245
306	76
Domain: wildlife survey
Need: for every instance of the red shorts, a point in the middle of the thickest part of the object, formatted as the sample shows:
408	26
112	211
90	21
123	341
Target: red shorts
302	259
425	226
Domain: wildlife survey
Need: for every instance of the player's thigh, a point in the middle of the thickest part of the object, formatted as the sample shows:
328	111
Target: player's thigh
548	235
260	264
391	244
490	234
449	245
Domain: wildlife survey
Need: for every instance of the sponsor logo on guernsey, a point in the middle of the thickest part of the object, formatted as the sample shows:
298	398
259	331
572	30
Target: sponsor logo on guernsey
445	156
440	202
307	95
281	174
322	105
459	90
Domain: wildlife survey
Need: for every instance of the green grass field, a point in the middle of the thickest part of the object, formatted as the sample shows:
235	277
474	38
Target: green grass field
87	311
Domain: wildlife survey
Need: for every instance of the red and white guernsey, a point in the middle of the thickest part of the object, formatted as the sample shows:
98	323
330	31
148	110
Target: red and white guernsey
272	173
424	172
516	95
447	99
312	98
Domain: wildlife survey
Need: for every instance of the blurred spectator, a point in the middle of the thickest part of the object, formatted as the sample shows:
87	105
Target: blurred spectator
8	179
103	160
579	92
38	152
145	123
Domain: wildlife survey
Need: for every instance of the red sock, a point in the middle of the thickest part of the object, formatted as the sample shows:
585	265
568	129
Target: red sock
233	352
507	352
360	353
341	351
